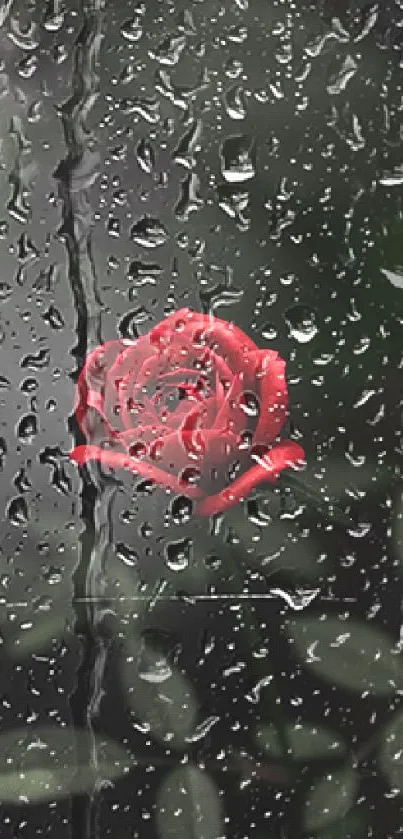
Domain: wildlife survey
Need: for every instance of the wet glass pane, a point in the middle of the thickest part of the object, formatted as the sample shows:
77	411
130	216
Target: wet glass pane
200	335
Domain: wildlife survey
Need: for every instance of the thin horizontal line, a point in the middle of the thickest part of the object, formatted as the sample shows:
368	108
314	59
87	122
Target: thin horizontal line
177	597
207	597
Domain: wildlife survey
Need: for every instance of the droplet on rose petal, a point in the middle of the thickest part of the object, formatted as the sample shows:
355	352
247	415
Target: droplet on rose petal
138	449
155	450
245	440
190	476
249	404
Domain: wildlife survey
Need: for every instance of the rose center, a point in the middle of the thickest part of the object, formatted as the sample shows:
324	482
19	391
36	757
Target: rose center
168	397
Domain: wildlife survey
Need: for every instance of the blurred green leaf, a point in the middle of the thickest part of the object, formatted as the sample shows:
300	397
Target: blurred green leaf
306	741
41	631
159	695
39	763
188	806
329	798
348	653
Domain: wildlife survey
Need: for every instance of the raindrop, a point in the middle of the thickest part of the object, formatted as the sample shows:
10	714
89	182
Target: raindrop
27	428
5	383
54	318
181	509
154	671
178	554
149	232
202	729
249	404
212	562
235	103
145	156
132	29
53	576
126	554
17	511
238	159
190	476
36	362
22	482
5	291
29	386
340	79
297	600
394	178
169	50
268	331
301	322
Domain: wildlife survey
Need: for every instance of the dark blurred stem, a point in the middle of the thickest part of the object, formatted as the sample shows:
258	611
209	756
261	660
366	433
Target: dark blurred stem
75	232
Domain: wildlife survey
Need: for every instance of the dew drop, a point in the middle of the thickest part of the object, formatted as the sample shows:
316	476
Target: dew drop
178	554
17	511
27	428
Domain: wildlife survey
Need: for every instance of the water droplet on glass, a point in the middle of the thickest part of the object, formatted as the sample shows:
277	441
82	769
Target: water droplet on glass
27	428
127	554
54	318
132	29
178	554
340	78
154	671
29	385
181	509
238	159
17	511
145	156
301	321
5	291
149	232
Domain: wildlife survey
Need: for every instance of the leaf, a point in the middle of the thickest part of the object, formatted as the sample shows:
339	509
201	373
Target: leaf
39	763
348	653
42	632
329	798
391	752
306	741
188	806
277	545
160	696
323	505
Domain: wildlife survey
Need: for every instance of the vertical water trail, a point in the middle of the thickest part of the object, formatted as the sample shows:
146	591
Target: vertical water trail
76	174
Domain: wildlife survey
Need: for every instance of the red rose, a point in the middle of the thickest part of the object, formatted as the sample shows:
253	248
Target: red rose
194	406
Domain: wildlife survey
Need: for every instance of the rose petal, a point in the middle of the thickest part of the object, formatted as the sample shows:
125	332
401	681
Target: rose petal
91	387
230	416
285	455
176	417
120	460
127	364
272	386
228	340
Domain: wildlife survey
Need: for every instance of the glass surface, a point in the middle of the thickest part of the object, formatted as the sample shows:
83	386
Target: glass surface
164	673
